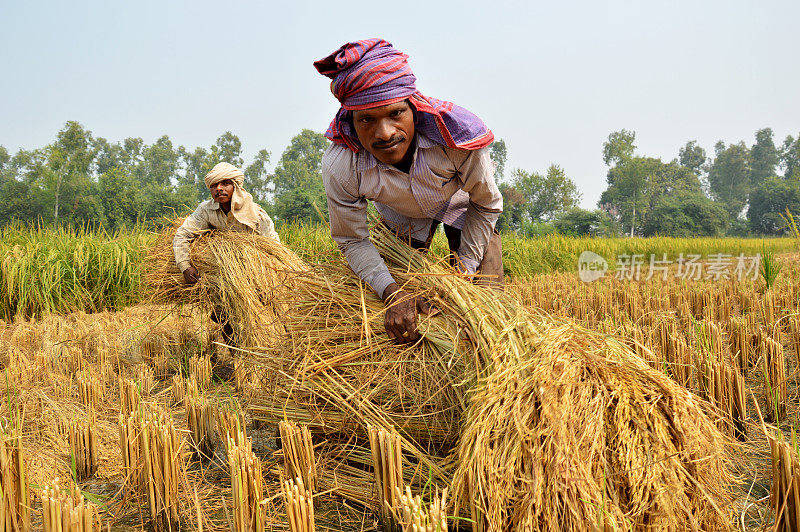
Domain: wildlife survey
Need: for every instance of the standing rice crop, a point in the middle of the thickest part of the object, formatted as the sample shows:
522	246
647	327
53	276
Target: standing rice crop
48	270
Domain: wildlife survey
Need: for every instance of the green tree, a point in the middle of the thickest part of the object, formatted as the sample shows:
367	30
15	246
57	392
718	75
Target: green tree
5	158
498	153
790	157
619	147
133	156
227	148
558	193
685	214
257	179
769	200
160	162
532	198
68	163
513	216
636	184
121	198
158	202
298	178
764	157
630	190
582	222
729	177
693	157
197	164
21	201
108	156
20	182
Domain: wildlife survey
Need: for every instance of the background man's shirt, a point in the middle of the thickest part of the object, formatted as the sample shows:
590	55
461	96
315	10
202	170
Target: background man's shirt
449	185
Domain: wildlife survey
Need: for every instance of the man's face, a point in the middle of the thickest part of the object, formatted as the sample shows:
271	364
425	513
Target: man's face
222	192
387	132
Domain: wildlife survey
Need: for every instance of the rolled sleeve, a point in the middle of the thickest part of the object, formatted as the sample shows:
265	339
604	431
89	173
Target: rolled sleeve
485	207
266	226
192	226
348	218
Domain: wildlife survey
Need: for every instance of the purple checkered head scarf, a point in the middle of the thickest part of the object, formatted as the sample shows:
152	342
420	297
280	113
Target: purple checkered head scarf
372	73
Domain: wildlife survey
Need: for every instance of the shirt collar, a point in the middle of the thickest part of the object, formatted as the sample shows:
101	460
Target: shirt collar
214	205
365	160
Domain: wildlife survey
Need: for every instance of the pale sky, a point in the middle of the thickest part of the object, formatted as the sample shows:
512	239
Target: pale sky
551	79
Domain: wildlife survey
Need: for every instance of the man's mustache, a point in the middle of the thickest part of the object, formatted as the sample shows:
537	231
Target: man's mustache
388	143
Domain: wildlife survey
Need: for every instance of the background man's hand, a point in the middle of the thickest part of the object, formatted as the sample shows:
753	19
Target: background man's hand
401	314
191	275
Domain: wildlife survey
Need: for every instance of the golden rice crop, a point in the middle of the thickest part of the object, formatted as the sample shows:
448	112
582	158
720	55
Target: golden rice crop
553	425
62	270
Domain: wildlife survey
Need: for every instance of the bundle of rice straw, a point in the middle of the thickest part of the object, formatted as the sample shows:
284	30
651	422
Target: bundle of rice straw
241	274
548	425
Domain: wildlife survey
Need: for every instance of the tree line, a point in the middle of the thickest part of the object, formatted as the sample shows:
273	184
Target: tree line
740	191
80	179
84	180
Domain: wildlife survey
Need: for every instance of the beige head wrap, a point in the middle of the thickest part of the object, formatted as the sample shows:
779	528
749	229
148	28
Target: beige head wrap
243	208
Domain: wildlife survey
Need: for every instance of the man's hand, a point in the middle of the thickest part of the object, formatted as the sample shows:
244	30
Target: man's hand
191	275
401	314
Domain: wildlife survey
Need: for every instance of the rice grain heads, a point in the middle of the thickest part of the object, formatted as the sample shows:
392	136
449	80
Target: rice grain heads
582	431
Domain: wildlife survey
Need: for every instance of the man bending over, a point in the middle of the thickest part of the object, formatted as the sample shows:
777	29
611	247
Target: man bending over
421	161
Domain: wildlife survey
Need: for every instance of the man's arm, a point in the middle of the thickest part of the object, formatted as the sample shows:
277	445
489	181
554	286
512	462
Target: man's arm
485	206
266	226
191	227
348	218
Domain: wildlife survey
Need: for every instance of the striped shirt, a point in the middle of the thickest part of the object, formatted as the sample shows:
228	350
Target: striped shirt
209	215
446	184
